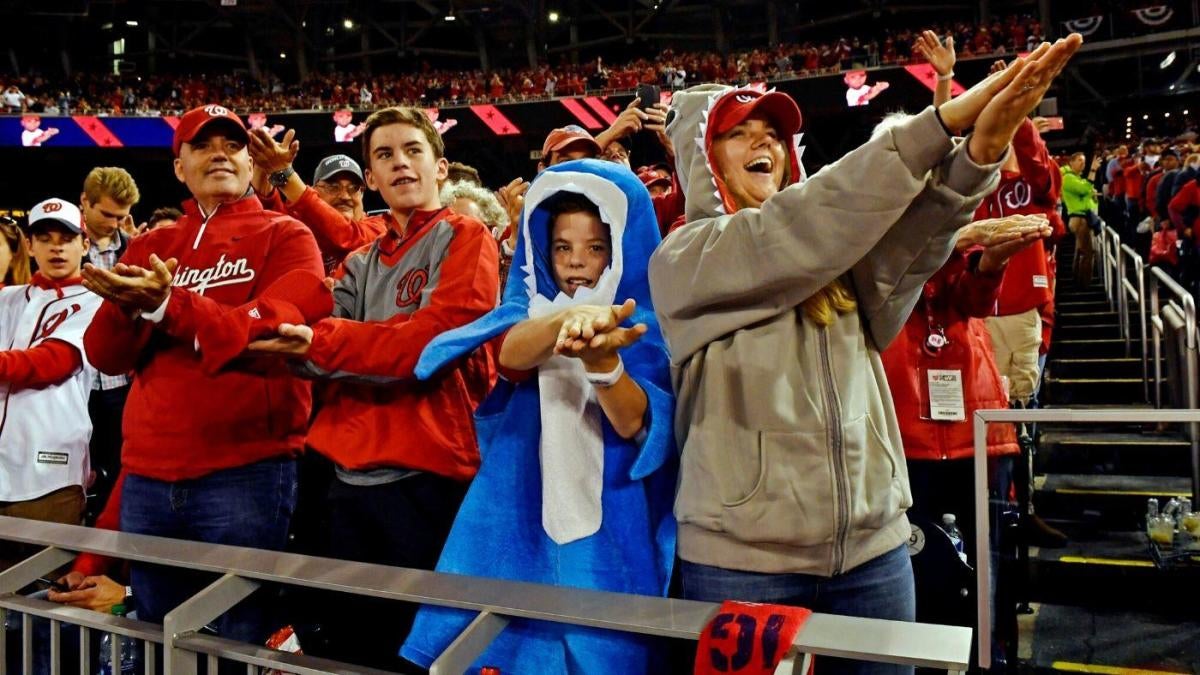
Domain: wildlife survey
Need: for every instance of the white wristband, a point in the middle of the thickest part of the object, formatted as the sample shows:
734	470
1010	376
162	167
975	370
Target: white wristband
607	379
947	77
157	315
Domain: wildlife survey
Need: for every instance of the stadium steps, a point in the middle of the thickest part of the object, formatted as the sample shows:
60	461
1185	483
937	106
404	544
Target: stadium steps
1100	604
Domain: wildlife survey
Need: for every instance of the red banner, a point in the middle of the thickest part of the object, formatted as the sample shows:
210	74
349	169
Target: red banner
495	120
748	638
97	131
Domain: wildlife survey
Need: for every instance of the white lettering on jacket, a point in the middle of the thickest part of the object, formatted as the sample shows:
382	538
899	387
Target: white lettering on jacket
222	273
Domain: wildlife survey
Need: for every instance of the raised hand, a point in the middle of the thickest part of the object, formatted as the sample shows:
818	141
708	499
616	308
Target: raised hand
512	198
271	155
998	121
940	56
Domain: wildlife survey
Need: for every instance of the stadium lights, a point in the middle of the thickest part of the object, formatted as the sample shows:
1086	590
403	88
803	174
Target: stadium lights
1146	117
1166	63
283	55
131	23
449	17
1172	87
552	17
347	24
1166	114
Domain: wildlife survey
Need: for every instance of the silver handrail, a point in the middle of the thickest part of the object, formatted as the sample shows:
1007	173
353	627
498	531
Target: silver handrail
1191	362
923	645
983	536
1138	294
1106	235
1119	289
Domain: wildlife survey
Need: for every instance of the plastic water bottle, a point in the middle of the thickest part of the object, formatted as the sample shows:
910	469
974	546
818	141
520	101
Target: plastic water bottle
128	651
948	524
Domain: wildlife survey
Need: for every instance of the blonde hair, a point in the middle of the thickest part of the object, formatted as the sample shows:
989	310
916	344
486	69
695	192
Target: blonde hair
827	304
18	269
113	182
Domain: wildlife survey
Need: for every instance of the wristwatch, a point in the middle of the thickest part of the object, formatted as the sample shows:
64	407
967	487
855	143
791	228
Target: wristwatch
280	178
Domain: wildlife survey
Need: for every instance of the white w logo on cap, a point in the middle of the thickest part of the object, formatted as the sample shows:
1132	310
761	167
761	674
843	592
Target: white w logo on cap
216	111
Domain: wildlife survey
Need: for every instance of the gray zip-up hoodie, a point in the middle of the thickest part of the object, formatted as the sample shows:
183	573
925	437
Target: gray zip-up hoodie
791	456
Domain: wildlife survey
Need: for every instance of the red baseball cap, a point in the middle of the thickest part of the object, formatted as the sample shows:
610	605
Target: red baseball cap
737	105
561	138
198	118
651	177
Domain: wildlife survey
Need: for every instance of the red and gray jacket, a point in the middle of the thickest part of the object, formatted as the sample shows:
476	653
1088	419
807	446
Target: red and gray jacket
952	303
337	236
179	422
1034	190
391	298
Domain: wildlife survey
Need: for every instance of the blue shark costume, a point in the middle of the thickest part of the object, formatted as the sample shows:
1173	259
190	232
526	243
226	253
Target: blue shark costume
560	498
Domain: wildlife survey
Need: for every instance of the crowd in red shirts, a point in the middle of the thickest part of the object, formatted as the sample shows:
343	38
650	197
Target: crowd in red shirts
95	93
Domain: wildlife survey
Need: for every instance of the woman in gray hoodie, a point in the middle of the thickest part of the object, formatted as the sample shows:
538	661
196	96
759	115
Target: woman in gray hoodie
775	299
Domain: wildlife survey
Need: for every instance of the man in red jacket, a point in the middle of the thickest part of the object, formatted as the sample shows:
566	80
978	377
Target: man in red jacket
404	451
207	457
1030	184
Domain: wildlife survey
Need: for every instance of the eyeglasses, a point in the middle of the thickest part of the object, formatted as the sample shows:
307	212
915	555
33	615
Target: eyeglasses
349	188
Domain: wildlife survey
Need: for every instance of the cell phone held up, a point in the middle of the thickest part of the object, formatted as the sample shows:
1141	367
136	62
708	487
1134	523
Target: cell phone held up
649	95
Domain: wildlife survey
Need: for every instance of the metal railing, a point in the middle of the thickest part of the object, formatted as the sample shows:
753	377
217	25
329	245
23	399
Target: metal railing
982	525
495	601
1136	291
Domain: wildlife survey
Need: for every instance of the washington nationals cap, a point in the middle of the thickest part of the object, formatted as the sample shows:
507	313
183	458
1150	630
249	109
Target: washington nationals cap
197	119
335	164
737	105
58	211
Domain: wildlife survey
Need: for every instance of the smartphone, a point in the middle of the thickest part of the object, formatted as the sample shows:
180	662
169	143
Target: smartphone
1055	123
649	94
61	588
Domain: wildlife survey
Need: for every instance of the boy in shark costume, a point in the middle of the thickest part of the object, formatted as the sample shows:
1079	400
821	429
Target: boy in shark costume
561	497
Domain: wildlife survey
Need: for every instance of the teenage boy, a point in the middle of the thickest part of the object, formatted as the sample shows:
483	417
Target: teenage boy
44	378
109	194
404	450
208	454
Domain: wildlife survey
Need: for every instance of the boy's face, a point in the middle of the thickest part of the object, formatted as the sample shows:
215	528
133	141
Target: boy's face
31	123
57	250
580	250
403	168
856	79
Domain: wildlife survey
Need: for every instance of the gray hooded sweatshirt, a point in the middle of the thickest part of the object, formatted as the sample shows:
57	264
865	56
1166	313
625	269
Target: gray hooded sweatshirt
792	459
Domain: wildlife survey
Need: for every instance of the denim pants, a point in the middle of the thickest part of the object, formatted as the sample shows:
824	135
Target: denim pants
244	506
880	589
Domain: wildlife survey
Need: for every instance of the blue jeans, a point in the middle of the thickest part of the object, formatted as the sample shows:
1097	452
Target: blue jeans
879	589
245	506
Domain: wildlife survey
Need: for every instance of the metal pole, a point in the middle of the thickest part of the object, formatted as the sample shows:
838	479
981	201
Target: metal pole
1156	325
1140	269
983	554
1122	300
1189	314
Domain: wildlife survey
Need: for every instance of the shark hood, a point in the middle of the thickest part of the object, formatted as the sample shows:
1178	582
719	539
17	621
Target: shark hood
560	497
695	115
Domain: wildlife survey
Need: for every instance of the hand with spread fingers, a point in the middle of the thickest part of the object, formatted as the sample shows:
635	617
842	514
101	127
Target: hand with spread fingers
940	56
133	288
270	155
593	334
292	340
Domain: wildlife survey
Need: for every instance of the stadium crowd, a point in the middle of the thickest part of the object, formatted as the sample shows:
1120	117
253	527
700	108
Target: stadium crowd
108	94
572	379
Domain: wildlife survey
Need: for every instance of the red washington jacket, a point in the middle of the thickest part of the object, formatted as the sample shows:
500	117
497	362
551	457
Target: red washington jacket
180	423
